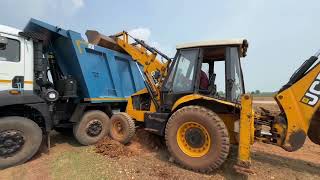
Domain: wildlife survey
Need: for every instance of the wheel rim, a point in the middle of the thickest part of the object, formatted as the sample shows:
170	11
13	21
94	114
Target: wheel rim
193	139
118	128
94	128
11	142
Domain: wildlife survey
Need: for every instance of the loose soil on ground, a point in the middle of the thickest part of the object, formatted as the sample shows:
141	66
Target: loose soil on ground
146	157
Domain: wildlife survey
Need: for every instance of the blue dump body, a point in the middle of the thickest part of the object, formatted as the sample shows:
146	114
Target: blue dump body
103	75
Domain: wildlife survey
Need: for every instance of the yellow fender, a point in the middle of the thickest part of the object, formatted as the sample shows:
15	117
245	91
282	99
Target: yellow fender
192	97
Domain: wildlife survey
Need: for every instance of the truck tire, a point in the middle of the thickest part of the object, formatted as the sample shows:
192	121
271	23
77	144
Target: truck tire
20	139
197	138
92	127
122	128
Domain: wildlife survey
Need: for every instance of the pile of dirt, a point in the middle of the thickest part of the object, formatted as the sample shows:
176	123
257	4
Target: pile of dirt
148	141
112	148
142	142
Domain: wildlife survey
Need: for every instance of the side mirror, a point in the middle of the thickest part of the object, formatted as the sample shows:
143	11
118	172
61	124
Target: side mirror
3	43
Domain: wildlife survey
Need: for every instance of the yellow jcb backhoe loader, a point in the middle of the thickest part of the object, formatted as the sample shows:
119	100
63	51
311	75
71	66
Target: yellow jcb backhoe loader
181	103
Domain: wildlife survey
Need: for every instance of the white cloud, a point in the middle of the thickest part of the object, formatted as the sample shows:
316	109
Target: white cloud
78	3
141	33
57	11
145	34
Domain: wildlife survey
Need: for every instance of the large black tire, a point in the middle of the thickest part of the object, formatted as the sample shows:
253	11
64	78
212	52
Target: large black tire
19	130
122	128
314	130
92	127
207	138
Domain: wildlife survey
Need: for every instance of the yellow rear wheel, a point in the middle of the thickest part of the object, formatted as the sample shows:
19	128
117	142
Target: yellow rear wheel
197	138
193	139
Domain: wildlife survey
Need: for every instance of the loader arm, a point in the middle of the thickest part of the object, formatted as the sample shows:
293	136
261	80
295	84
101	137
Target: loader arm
147	57
154	71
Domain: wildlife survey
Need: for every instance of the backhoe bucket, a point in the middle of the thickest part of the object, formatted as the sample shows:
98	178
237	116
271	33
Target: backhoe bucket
94	37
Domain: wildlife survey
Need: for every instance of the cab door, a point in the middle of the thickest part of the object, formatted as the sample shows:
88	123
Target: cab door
182	77
12	63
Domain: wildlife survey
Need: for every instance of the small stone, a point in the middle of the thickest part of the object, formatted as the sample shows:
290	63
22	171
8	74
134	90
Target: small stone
171	159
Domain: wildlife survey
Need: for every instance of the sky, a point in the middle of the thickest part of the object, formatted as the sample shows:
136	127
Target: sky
281	34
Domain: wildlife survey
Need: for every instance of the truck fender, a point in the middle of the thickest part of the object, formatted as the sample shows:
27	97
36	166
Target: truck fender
27	98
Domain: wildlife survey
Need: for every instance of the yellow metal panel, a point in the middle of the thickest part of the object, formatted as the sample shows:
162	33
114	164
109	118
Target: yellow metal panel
138	115
246	130
300	102
191	97
142	91
229	120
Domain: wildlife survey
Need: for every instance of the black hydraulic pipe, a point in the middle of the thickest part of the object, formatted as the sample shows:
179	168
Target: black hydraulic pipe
148	88
304	67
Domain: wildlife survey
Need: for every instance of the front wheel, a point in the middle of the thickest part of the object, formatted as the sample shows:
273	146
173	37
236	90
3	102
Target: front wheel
20	139
197	138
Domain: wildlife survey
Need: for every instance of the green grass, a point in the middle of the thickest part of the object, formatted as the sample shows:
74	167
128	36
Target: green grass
83	164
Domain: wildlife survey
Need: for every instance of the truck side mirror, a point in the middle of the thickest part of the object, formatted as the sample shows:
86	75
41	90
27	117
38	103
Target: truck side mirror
3	43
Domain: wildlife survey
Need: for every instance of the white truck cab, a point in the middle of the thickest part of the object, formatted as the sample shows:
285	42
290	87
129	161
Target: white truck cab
16	61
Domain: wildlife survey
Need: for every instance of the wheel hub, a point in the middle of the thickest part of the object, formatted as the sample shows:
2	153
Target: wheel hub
118	128
193	139
11	142
94	128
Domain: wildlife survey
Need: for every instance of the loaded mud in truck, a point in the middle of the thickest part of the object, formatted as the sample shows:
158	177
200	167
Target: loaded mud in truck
50	78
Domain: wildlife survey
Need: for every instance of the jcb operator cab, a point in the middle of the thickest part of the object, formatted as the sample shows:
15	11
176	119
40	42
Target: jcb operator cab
197	66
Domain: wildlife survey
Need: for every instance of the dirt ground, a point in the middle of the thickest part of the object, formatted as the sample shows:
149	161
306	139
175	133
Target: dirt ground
147	158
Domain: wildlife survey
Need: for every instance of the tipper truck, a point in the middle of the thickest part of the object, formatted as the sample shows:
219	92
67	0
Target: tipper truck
51	78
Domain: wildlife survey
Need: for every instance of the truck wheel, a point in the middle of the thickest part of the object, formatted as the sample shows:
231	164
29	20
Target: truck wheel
197	138
20	139
92	127
122	128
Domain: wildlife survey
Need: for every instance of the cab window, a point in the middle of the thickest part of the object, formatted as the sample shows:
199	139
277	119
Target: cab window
12	51
184	73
